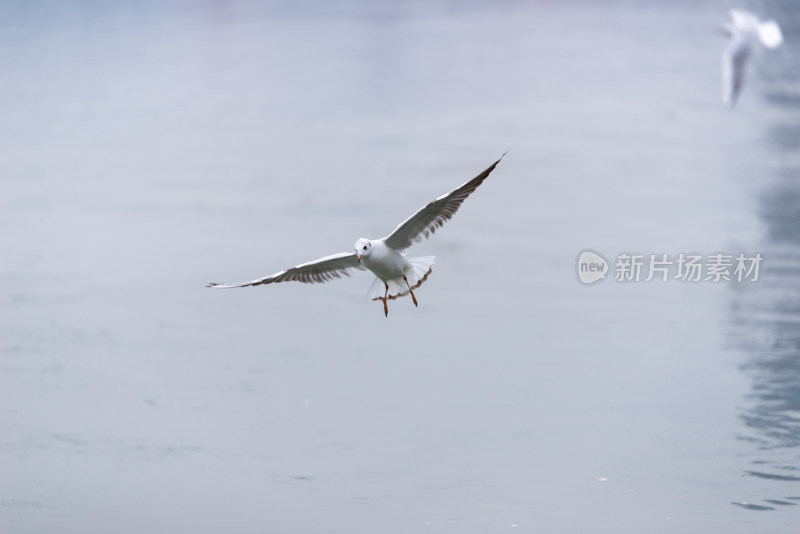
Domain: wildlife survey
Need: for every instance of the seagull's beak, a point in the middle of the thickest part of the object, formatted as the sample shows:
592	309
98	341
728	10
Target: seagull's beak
359	257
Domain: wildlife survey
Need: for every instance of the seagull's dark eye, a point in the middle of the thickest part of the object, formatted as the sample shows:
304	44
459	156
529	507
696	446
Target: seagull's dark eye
365	247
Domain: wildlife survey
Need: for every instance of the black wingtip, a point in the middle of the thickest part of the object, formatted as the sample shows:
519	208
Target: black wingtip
498	160
493	165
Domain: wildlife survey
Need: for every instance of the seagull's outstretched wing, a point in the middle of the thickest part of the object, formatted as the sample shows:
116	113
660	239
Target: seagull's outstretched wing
317	271
425	221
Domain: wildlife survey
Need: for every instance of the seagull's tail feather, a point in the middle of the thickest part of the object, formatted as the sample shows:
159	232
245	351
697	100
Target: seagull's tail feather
376	290
421	268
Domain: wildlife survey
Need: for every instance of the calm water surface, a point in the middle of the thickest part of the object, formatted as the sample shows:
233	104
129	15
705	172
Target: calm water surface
148	148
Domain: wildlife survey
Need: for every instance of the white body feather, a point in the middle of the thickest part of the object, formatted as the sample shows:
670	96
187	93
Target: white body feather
389	267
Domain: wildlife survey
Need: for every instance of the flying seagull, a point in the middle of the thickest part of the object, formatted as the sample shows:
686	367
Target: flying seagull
395	274
744	32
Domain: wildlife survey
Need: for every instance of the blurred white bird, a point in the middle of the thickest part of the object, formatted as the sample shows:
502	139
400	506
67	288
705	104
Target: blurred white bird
385	257
744	32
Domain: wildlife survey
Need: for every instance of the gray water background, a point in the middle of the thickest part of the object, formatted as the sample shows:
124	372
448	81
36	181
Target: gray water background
147	148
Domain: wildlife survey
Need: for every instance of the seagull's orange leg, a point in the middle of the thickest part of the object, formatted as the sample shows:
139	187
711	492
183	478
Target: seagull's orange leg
385	296
410	291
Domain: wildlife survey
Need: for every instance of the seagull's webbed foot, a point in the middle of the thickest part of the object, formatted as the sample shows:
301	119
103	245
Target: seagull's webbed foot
410	291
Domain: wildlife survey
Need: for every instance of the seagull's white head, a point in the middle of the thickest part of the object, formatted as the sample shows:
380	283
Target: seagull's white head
363	247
